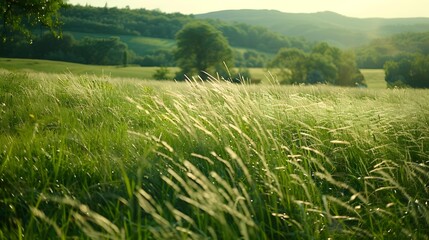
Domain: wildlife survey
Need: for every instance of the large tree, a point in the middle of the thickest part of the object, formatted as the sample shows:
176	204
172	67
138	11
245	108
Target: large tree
201	50
20	15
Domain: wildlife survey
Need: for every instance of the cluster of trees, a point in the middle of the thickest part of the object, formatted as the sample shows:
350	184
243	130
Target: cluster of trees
203	50
324	64
393	48
99	51
410	71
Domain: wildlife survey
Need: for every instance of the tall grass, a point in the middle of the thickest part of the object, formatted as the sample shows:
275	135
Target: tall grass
91	157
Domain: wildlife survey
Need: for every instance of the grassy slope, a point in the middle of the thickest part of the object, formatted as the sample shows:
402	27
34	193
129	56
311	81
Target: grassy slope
47	66
374	78
140	45
118	158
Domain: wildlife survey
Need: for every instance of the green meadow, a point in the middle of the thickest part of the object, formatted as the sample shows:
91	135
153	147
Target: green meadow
47	66
105	157
374	77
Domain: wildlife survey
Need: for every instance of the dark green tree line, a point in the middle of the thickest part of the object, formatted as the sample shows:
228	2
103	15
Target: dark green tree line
99	51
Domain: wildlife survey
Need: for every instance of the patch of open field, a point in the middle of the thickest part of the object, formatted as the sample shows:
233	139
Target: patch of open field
85	157
374	77
47	66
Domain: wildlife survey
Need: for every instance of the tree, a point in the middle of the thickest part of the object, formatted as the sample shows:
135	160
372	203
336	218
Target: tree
18	15
348	71
420	72
325	64
102	51
201	49
320	69
397	73
291	63
411	72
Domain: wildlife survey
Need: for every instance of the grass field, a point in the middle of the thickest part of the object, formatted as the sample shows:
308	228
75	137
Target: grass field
374	77
46	66
87	157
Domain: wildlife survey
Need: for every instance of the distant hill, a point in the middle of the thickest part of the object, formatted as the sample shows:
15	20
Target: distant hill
323	26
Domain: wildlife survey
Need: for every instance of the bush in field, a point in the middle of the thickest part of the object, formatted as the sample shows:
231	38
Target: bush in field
324	64
201	50
161	73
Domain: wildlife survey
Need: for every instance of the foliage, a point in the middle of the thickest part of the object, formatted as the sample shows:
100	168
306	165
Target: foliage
161	74
17	15
86	157
201	50
101	51
157	58
394	48
250	58
409	71
123	21
324	64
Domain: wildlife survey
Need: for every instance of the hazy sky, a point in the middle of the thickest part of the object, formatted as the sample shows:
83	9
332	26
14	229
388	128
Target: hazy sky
352	8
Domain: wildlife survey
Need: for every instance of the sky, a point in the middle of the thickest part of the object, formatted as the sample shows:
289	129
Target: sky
351	8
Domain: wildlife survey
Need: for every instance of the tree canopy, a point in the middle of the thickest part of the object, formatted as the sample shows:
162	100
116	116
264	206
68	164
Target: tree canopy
18	16
201	49
410	71
324	64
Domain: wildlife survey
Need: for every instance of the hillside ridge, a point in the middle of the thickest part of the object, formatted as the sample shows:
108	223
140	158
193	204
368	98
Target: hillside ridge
332	27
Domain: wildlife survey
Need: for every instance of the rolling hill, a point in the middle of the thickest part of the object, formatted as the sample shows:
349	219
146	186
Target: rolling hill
323	26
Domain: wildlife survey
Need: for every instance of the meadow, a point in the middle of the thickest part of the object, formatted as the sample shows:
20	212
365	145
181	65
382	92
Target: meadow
374	77
97	157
